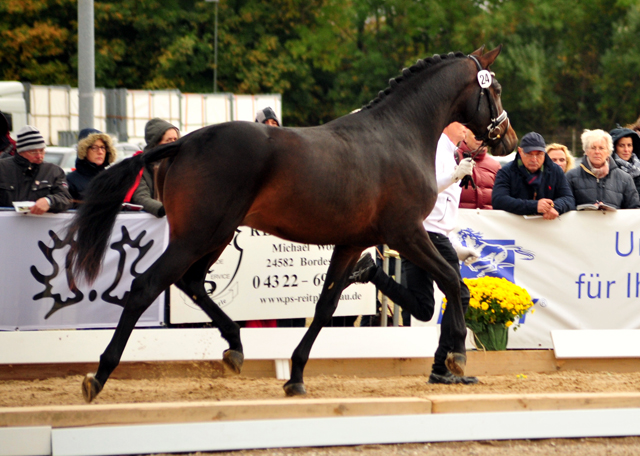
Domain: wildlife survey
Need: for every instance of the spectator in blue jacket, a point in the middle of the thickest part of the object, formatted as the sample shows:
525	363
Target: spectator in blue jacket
532	184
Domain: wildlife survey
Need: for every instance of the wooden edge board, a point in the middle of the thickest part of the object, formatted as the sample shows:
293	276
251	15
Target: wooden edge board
291	408
469	403
338	431
206	411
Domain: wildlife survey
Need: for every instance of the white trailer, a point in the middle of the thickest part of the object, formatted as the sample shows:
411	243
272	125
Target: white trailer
123	113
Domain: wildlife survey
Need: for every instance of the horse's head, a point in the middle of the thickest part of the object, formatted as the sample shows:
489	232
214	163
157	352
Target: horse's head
483	108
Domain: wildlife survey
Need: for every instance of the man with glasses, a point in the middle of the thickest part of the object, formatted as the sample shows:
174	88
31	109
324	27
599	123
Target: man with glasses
532	184
27	177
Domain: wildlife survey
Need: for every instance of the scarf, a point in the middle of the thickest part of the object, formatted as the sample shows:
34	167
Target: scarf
601	172
532	179
632	167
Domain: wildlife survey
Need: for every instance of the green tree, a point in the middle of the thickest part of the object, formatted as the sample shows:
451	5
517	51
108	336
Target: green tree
618	84
38	41
565	65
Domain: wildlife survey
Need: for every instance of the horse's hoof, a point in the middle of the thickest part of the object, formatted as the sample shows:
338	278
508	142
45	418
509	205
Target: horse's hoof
234	359
456	363
90	387
295	389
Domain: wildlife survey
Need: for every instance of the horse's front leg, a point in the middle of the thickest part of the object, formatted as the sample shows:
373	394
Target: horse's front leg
342	262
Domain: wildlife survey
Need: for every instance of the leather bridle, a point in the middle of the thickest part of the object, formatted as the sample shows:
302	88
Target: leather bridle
499	123
496	129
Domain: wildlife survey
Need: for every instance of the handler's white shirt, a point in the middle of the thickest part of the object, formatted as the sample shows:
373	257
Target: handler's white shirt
442	218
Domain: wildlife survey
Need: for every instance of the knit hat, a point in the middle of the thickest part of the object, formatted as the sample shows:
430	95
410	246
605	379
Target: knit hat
86	132
154	130
29	138
266	113
532	141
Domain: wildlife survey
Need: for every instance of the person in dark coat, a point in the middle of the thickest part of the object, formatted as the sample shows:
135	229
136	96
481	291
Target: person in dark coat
598	179
95	153
532	184
27	177
626	147
156	132
7	144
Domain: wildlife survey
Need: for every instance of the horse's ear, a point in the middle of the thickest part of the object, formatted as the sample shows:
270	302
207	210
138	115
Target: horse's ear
487	59
478	52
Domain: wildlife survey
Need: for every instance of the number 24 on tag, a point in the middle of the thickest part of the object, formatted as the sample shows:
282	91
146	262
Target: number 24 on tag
484	79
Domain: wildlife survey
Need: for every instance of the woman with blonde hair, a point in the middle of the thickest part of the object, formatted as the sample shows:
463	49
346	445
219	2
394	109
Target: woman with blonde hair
598	179
95	153
561	156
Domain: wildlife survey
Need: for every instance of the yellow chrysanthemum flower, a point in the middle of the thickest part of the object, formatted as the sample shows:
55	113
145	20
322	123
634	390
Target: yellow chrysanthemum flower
497	301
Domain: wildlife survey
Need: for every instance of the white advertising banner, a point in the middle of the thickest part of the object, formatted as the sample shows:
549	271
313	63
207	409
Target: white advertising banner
260	276
35	292
582	270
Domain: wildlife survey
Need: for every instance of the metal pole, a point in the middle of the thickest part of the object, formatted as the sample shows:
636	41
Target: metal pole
396	308
215	53
215	48
384	301
386	254
86	63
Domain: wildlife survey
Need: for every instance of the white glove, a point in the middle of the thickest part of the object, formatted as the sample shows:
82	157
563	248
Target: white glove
465	168
467	254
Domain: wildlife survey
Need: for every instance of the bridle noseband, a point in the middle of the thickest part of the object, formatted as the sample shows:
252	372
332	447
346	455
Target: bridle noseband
499	124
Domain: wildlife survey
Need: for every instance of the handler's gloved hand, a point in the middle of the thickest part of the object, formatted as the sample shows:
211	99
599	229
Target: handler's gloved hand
465	168
467	254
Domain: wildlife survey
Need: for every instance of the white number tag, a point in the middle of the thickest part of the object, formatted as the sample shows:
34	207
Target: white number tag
484	79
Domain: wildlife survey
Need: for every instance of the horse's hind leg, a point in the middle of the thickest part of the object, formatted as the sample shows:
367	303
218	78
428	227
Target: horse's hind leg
342	262
418	248
192	284
167	269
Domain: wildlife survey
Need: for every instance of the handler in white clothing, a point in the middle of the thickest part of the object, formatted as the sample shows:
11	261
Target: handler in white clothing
417	296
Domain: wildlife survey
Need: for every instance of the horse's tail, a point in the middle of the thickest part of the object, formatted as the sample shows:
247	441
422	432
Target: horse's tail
94	221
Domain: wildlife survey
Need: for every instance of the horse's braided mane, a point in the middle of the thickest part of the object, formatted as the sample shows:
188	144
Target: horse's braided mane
407	73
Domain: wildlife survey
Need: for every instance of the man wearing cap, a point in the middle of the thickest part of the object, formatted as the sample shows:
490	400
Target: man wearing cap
532	184
27	177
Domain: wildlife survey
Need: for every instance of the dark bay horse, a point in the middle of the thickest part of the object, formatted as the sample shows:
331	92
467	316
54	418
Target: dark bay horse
364	179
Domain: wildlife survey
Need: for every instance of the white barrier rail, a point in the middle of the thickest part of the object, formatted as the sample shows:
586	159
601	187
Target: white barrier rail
277	344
